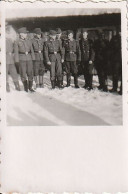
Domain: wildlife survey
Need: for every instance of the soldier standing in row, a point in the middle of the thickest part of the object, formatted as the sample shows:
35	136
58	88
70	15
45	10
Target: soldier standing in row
24	55
87	59
100	47
58	37
72	57
116	61
54	57
10	65
38	66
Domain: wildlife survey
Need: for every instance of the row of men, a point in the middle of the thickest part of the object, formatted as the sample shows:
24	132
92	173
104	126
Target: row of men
62	55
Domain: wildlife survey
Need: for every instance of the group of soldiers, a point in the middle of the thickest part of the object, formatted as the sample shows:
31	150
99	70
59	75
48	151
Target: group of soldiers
62	56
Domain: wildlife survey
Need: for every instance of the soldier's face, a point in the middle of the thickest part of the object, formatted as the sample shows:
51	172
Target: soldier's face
70	36
38	35
53	37
23	35
58	36
85	35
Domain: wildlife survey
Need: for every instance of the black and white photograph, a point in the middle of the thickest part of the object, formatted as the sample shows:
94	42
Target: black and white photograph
64	67
64	97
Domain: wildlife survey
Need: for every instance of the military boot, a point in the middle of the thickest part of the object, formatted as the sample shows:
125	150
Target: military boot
7	87
68	81
60	85
17	86
25	83
76	81
41	82
30	86
53	84
115	84
89	82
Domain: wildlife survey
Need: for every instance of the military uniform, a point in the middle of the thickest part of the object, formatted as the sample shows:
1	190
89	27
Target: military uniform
116	61
72	55
59	32
10	65
24	55
101	60
53	53
87	55
38	65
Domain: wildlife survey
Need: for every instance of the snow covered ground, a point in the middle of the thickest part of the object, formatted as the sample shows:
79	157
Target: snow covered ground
69	106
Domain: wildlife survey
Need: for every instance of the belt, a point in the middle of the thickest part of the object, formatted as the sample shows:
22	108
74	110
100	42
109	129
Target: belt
55	52
26	53
38	51
71	52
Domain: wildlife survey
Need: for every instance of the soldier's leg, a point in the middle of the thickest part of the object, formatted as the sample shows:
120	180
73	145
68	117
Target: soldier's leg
14	75
116	76
7	81
52	74
59	73
90	76
74	71
22	71
30	75
36	65
68	69
41	74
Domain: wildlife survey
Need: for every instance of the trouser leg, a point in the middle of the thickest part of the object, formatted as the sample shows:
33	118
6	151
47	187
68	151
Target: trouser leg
52	74
7	81
74	71
14	75
41	74
68	72
59	73
23	71
30	75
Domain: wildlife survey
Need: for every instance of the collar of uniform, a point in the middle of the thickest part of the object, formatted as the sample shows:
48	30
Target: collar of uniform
22	39
70	40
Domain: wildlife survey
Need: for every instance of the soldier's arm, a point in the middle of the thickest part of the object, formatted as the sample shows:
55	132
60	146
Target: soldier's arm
16	52
32	53
61	50
92	57
46	52
78	51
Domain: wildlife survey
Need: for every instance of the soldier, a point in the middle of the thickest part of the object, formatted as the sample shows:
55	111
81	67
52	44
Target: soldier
59	37
101	49
87	58
116	61
54	57
10	66
72	56
24	55
38	66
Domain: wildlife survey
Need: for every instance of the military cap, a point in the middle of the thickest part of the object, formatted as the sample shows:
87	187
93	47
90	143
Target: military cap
69	32
84	30
58	31
22	30
52	32
37	31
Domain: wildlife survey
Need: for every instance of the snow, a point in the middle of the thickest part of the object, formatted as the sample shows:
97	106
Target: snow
69	106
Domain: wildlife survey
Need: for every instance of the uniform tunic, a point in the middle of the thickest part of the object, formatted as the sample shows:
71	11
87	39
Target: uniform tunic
53	52
10	66
24	55
38	66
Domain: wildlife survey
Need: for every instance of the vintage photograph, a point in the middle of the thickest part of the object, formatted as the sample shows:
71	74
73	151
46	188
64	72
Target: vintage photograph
63	67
